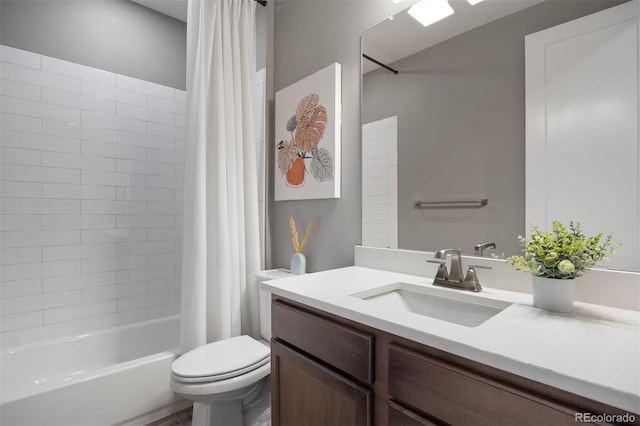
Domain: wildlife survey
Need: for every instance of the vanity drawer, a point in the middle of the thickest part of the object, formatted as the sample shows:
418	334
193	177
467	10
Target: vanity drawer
459	396
342	347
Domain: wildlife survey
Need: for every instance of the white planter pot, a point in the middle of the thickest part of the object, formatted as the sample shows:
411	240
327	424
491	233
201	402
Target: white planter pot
553	295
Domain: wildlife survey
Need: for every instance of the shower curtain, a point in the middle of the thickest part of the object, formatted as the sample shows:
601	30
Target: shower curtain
221	224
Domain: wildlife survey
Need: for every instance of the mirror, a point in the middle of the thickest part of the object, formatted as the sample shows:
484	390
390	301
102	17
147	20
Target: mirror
456	110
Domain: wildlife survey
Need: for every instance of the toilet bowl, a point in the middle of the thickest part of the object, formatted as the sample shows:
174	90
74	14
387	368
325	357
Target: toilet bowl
226	377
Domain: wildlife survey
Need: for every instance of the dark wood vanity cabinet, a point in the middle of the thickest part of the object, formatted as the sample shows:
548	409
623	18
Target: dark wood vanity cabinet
327	370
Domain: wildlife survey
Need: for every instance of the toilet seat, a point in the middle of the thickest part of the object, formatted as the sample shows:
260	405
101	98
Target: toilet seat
220	360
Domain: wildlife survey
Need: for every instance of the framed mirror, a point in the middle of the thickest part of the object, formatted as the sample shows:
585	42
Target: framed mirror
456	113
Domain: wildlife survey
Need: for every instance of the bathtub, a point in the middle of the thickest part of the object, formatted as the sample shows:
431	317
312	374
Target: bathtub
115	376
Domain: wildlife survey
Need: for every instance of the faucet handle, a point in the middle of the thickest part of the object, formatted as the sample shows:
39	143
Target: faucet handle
442	273
472	277
478	249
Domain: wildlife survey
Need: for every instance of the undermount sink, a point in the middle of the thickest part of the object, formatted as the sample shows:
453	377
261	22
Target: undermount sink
458	308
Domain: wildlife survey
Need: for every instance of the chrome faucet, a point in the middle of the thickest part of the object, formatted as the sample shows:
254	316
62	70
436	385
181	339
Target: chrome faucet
453	277
480	248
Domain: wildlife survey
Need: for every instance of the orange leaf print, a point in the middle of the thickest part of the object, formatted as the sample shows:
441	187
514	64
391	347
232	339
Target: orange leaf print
312	120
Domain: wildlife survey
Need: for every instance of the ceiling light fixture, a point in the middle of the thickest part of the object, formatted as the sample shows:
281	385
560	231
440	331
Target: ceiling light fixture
471	2
398	1
429	11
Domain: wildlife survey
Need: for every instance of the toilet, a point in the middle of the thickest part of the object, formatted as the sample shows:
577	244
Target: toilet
227	378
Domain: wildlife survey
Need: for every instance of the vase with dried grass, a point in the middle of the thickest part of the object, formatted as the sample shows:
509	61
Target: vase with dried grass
298	261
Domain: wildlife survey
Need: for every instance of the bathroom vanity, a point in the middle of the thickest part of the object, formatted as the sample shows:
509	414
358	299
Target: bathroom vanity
344	353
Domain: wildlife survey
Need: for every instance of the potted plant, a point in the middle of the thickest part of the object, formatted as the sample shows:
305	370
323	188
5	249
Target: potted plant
298	261
556	258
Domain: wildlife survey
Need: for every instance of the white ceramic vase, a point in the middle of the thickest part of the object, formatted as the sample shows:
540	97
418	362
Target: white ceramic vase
553	294
298	264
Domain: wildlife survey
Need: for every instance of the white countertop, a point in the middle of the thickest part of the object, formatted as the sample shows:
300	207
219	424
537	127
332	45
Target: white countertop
593	351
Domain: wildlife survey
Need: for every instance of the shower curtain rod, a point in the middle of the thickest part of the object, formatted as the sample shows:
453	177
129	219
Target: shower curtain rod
378	63
262	2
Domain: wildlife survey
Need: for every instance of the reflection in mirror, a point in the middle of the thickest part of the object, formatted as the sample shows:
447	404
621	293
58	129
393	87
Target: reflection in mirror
460	108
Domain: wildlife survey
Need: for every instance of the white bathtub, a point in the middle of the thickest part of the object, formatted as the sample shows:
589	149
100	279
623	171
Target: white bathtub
115	376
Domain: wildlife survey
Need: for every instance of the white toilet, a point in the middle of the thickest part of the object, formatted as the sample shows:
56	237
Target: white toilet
228	377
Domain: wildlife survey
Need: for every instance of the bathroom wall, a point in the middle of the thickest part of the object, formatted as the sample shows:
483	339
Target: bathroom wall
304	45
113	35
92	187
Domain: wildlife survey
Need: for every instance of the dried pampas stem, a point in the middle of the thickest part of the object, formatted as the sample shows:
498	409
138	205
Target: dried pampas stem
297	246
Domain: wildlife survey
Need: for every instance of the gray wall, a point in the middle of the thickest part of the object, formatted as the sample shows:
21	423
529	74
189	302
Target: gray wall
114	35
461	129
308	36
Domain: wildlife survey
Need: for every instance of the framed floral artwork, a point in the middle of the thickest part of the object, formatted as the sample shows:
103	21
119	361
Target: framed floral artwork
307	133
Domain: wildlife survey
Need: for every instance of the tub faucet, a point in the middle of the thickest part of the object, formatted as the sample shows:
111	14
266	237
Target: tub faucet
478	249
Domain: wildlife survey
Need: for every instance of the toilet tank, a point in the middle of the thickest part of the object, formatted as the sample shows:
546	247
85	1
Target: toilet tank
265	298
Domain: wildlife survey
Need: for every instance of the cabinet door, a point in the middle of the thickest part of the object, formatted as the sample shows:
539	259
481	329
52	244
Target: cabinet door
304	392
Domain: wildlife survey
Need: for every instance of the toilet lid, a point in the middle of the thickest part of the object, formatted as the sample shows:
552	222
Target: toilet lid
221	359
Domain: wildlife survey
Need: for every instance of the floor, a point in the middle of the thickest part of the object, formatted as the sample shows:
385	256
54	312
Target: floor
181	418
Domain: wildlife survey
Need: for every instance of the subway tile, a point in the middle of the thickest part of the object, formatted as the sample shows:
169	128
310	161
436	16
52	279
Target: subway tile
78	251
146	141
167	105
107	292
165	182
164	259
31	206
165	130
119	263
159	156
38	334
113	320
85	192
78	131
92	236
154	234
25	271
180	170
142	221
39	142
151	273
180	196
19	57
20	255
10	189
35	302
75	282
146	247
78	101
82	72
38	238
97	177
20	156
16	89
145	114
114	150
113	122
19	123
38	77
19	222
181	120
164	207
20	288
145	167
145	300
179	220
75	161
113	207
145	194
161	311
142	86
39	110
78	221
113	93
163	284
75	312
180	145
19	321
180	96
39	174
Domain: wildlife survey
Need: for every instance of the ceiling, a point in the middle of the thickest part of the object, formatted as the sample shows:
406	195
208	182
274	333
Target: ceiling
402	36
174	8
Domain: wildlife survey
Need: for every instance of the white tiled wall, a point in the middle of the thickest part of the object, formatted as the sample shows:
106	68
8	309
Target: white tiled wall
91	177
379	183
